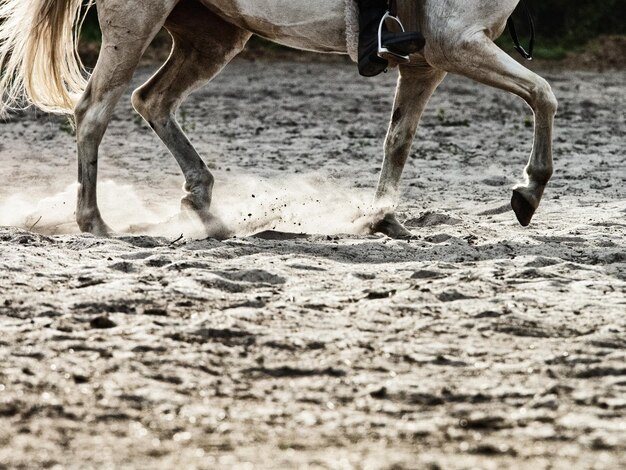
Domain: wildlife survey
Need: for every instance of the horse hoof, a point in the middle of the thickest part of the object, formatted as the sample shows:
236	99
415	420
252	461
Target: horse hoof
100	229
213	225
390	226
524	211
94	225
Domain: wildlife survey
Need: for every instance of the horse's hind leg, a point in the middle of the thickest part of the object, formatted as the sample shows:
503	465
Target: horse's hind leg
477	57
127	29
203	45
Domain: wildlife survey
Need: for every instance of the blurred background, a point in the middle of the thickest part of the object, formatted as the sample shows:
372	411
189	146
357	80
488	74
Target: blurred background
583	32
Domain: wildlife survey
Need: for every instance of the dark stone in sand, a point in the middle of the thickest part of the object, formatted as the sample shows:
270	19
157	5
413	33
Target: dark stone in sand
426	274
102	323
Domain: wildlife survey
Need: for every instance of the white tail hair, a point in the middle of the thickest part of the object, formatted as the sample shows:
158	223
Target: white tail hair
39	63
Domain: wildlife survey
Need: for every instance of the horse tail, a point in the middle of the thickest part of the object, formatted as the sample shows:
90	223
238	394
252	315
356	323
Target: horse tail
39	62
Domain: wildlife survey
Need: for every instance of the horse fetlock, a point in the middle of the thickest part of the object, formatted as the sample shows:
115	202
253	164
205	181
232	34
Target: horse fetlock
189	202
199	203
199	187
200	176
539	175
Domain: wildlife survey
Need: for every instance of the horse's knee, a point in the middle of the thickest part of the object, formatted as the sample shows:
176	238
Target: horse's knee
200	181
542	97
199	189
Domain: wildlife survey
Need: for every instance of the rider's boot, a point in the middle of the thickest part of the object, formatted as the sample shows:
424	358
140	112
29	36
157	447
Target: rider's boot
371	13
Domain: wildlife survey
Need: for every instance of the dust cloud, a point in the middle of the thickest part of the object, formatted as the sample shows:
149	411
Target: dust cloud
245	205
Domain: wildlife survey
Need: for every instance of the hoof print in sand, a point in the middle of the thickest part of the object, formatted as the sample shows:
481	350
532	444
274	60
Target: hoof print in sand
432	219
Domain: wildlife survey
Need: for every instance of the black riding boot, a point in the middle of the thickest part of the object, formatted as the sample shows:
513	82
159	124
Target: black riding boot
371	13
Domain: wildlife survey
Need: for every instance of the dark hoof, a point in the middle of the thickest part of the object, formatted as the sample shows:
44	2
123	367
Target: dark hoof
213	225
97	227
390	226
523	210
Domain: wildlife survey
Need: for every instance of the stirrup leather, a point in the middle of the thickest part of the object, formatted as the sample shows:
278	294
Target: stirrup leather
384	52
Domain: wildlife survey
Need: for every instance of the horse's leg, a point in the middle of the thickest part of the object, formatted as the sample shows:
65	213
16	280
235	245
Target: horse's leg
203	45
416	85
477	57
127	29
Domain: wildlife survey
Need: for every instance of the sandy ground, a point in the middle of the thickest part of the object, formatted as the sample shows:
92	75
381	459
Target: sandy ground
478	345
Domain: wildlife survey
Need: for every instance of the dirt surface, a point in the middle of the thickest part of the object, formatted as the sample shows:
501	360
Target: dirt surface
603	53
478	345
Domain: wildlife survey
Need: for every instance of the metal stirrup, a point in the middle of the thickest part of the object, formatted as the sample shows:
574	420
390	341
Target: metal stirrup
384	52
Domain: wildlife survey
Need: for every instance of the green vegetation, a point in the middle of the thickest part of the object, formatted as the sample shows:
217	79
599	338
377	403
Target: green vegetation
91	32
572	24
564	26
91	29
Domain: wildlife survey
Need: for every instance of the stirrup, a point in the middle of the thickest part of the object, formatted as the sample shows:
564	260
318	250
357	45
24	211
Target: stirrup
383	52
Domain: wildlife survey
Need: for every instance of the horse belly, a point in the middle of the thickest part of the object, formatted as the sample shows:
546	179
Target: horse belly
303	24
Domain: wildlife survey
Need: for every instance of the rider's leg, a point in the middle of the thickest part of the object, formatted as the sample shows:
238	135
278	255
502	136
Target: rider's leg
371	13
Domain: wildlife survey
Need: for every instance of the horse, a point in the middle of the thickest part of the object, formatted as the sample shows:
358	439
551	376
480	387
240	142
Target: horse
40	66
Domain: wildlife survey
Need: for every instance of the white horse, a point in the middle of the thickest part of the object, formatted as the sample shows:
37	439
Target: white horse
39	65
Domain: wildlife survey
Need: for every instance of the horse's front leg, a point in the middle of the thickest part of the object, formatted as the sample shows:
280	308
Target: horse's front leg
475	56
416	85
538	171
